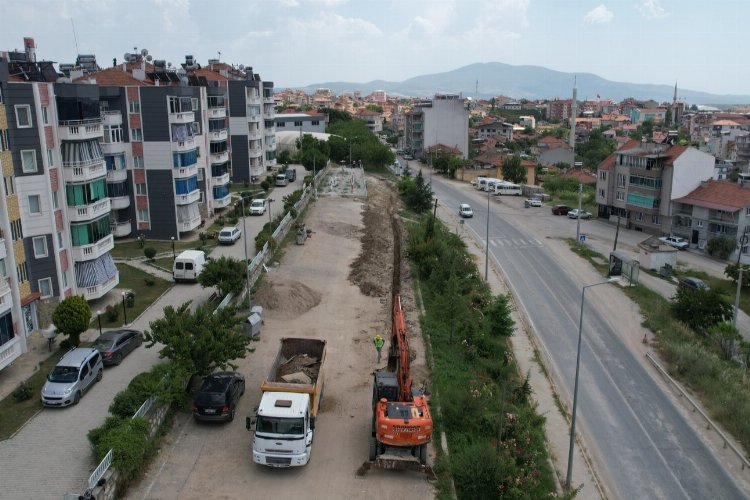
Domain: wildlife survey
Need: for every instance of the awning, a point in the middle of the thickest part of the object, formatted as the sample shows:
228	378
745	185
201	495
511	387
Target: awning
95	272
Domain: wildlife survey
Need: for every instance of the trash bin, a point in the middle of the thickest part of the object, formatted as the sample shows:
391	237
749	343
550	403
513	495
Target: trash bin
251	327
259	311
301	234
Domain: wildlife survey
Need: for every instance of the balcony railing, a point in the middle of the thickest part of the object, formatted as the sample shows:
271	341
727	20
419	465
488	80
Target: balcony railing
121	229
221	157
220	180
182	117
94	250
186	199
98	291
79	130
222	202
256	151
182	172
218	135
10	351
254	135
83	213
217	112
83	173
117	175
728	219
186	145
120	202
189	225
112	118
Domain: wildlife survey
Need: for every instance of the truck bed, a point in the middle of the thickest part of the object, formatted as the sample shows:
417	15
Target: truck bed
295	356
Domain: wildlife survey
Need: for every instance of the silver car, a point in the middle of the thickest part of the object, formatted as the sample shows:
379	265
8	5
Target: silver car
74	374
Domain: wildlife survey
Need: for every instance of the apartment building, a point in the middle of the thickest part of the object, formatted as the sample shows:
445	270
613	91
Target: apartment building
88	157
640	180
559	109
443	120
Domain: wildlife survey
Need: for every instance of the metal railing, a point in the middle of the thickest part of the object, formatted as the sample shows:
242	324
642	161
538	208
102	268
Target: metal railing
101	469
743	461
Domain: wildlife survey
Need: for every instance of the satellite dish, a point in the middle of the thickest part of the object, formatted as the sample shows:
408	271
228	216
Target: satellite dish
127	56
148	58
169	65
242	66
144	52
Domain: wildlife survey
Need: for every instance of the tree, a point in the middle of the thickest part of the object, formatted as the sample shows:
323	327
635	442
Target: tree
284	157
725	337
497	319
198	342
701	309
732	272
72	317
513	171
721	247
225	273
375	107
416	193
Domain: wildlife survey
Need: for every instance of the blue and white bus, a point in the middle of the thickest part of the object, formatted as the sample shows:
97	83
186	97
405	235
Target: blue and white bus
508	188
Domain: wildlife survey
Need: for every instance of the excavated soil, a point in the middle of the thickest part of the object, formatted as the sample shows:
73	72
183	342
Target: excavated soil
283	298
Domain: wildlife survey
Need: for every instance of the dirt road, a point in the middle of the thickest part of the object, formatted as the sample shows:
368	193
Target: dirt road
335	287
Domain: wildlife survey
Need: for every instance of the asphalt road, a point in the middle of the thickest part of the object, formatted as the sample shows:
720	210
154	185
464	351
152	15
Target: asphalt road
51	454
642	444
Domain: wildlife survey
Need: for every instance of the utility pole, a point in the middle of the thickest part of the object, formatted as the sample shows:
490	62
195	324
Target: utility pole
578	219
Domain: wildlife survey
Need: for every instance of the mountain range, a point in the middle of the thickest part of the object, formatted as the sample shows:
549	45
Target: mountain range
529	82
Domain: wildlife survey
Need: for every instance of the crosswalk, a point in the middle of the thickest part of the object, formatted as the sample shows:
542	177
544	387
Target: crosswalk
510	243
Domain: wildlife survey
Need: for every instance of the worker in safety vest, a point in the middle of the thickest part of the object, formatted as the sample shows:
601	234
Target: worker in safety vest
379	342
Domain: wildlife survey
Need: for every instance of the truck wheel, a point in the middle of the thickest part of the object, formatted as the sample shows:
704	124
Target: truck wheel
423	454
373	448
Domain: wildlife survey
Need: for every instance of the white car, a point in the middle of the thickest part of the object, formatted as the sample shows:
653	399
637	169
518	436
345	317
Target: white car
258	206
465	211
532	202
575	214
229	235
675	241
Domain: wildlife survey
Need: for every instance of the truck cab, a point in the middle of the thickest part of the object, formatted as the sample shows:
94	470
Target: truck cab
283	430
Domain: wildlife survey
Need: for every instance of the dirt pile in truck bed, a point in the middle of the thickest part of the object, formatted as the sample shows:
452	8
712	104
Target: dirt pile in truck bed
303	363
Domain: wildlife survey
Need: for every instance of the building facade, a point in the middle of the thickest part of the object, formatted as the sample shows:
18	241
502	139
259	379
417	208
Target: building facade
444	120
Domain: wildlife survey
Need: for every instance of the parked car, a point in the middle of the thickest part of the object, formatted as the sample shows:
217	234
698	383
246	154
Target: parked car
560	210
291	174
218	396
408	157
229	235
693	283
675	241
532	202
476	180
465	211
116	344
258	206
578	214
73	375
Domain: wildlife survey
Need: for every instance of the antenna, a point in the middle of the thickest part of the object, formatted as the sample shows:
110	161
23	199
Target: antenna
219	56
75	38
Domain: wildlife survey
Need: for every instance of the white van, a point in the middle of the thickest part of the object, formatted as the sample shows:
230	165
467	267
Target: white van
282	180
188	265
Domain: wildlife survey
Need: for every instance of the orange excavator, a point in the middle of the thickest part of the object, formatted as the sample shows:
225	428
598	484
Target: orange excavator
401	421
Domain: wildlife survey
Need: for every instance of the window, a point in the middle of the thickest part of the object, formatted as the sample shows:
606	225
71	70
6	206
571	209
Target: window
136	134
281	124
620	196
4	146
3	270
28	161
16	230
200	174
654	219
747	212
60	239
297	124
22	273
195	104
45	287
699	223
316	122
55	205
9	185
602	193
23	116
140	189
40	246
603	175
639	216
134	106
64	275
138	162
35	207
49	158
196	128
621	180
142	215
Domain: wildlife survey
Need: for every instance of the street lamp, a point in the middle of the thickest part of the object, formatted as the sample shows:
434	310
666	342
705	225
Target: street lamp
270	200
486	238
569	475
99	318
174	257
124	309
247	264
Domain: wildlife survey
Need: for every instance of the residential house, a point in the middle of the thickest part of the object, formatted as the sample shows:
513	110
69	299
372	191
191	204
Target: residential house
640	180
640	115
373	119
492	128
551	151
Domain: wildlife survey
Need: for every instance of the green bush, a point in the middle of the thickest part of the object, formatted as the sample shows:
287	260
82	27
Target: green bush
95	435
149	252
130	443
265	185
112	312
22	393
721	247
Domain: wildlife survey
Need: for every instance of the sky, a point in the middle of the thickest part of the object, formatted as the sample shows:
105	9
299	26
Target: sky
696	43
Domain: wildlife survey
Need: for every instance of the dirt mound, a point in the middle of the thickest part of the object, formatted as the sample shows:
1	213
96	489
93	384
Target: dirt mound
286	298
372	271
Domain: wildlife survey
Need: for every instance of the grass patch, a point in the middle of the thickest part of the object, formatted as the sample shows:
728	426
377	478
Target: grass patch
165	263
132	249
135	280
724	286
599	261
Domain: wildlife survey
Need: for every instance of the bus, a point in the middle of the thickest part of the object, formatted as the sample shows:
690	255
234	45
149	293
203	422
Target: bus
508	188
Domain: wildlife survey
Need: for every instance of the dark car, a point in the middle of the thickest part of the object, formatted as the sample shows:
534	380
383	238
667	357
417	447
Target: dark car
560	210
217	398
691	283
116	344
291	174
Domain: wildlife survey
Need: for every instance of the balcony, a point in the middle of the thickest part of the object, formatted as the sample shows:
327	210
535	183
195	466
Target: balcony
220	180
221	157
218	135
222	202
3	251
10	351
183	146
728	219
98	291
254	135
112	148
271	163
112	118
121	229
268	99
182	172
269	112
84	171
182	117
270	146
119	202
253	99
80	130
217	112
255	152
187	199
6	301
185	226
94	250
117	175
84	213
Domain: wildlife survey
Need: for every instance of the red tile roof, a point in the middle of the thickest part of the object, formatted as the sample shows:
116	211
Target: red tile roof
211	75
114	77
719	195
582	176
609	161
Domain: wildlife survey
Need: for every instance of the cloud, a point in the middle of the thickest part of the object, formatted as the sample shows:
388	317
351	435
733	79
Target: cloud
651	9
598	15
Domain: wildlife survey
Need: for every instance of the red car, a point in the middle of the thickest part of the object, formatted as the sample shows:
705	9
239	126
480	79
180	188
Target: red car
560	210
